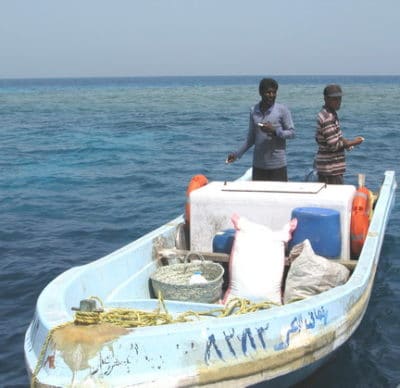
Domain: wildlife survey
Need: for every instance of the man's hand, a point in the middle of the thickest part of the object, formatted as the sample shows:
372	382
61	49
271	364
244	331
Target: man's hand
350	144
231	158
267	128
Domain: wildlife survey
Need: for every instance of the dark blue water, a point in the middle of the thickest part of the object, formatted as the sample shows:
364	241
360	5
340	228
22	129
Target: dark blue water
88	165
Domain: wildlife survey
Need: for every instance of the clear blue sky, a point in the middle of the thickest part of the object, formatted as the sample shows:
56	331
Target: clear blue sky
78	38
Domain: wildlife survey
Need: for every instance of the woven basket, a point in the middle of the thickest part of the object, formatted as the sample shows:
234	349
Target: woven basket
173	282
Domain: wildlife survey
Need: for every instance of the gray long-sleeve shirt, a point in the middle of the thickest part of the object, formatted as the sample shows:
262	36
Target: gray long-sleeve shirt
269	150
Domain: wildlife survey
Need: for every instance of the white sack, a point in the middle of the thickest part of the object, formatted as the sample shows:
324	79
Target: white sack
257	261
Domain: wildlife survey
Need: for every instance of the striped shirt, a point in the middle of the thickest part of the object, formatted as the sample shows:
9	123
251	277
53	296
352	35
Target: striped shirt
330	158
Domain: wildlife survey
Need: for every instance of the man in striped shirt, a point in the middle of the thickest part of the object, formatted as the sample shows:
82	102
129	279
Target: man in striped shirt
330	159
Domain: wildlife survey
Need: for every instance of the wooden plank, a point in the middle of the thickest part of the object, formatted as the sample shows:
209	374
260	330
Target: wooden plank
172	253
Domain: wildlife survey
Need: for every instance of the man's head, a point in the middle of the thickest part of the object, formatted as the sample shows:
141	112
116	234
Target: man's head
333	96
268	89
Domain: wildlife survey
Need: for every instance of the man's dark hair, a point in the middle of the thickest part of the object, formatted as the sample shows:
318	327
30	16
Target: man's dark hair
266	83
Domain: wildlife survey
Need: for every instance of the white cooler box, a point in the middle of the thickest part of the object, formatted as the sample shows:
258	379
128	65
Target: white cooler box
267	203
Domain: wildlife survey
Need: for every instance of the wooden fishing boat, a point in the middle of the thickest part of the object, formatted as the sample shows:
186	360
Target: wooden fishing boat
67	344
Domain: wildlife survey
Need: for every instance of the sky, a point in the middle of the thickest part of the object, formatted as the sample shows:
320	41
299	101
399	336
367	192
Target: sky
101	38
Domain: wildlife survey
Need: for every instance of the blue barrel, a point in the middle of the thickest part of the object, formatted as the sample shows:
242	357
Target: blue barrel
223	241
321	226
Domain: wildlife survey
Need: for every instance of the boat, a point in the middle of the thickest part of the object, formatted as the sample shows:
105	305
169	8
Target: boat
276	346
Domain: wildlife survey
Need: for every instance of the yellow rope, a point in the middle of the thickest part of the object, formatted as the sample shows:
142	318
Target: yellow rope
128	318
43	352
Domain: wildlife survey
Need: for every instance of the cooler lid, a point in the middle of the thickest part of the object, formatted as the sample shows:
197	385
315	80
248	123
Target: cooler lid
274	187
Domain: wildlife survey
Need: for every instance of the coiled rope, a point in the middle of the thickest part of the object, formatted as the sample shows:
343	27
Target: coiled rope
129	318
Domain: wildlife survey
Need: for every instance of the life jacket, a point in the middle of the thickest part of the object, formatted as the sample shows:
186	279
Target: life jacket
360	218
195	183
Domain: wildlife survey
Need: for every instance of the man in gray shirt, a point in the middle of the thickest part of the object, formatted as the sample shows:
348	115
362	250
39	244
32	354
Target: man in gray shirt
270	125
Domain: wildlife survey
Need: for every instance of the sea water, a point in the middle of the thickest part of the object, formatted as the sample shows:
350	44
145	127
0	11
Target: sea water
88	165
